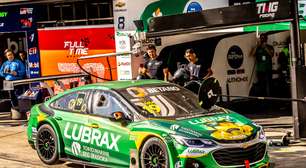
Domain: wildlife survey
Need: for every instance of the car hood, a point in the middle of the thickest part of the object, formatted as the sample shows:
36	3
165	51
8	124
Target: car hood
220	127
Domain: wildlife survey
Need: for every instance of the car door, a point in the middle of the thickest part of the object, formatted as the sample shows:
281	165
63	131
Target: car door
110	139
72	118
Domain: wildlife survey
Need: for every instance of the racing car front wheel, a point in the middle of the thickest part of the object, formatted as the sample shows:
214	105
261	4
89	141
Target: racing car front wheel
154	154
46	145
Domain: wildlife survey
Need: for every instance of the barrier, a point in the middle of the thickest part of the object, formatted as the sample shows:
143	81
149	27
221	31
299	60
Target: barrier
9	85
210	90
34	95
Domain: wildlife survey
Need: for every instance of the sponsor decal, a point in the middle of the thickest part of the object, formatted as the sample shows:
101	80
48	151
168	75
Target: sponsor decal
237	79
235	57
92	136
94	153
26	23
185	130
120	6
235	60
88	152
231	131
31	37
33	64
157	13
137	92
174	127
122	44
73	67
240	2
210	119
125	73
195	152
156	105
163	89
211	94
189	131
267	9
302	7
76	148
151	107
3	14
194	7
124	64
26	11
34	72
2	24
225	127
76	48
78	104
32	51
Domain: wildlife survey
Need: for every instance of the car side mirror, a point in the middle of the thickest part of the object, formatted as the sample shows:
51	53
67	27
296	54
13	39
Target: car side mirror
120	117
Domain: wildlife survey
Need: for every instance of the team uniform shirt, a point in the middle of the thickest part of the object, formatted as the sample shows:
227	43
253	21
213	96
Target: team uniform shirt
264	60
9	66
196	70
155	68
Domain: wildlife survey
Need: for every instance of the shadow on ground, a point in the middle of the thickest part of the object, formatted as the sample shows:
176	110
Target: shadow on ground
5	120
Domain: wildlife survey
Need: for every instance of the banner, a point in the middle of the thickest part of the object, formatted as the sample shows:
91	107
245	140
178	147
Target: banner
21	21
254	13
126	11
240	2
61	47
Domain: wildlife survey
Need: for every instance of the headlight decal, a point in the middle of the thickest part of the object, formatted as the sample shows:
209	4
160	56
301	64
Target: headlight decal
194	142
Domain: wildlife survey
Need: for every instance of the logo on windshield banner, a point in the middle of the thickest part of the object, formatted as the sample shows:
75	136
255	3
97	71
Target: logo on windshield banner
267	9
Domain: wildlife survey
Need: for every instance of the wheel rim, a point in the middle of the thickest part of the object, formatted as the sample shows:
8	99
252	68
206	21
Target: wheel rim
46	144
154	157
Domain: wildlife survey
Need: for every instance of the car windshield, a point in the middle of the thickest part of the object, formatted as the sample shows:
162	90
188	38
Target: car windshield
166	100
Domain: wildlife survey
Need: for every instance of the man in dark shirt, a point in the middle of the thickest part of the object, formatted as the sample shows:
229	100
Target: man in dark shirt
195	68
191	75
24	60
263	53
154	67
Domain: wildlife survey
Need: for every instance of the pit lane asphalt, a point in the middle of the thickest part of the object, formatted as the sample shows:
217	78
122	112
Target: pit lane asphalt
15	151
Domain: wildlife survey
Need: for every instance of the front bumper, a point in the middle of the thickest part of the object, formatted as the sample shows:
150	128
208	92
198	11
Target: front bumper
209	162
254	156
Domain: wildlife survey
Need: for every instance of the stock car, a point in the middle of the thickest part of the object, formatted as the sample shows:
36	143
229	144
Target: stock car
147	124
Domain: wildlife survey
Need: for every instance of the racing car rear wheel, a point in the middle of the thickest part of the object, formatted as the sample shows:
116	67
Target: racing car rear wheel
46	145
154	154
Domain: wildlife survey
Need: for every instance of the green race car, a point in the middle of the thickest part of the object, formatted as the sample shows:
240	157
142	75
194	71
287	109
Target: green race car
147	124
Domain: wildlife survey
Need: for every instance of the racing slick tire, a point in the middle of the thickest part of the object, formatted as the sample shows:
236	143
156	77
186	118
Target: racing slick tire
47	145
154	153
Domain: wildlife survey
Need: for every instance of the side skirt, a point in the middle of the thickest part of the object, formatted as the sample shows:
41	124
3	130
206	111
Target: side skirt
84	163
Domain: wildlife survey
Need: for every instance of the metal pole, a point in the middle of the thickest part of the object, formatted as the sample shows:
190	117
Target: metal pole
296	60
9	85
105	55
265	98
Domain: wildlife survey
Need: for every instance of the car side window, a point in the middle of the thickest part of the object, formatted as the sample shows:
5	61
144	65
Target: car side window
105	104
76	102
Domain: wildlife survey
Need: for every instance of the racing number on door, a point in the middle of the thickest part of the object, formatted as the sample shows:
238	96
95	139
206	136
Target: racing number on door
121	22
